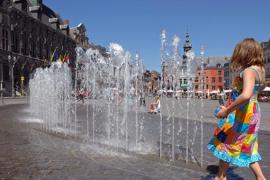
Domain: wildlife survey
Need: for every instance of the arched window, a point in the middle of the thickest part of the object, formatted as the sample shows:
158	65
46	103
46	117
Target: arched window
1	3
25	43
4	39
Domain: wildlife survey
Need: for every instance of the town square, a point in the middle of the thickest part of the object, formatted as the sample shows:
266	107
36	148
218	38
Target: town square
125	90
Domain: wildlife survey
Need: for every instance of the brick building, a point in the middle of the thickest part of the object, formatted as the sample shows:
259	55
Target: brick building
29	33
210	79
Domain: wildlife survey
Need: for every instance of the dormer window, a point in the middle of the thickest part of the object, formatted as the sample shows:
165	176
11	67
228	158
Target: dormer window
218	65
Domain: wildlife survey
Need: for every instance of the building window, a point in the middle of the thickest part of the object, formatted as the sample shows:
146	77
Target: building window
226	82
40	49
196	87
213	87
207	86
4	39
32	47
24	6
5	73
185	81
268	59
219	72
220	79
196	79
213	79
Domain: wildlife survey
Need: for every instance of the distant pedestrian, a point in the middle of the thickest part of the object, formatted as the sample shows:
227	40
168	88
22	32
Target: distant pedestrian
235	140
221	98
81	95
155	106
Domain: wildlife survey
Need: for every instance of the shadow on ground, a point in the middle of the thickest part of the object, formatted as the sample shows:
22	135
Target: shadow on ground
213	170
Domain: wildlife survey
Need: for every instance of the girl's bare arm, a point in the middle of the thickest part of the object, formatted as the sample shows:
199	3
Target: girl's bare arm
249	77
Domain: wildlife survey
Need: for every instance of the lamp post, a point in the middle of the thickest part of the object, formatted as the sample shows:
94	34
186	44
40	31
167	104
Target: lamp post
2	90
12	62
1	83
22	83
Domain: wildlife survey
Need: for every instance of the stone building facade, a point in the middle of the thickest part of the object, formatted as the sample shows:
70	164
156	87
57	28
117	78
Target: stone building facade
151	81
78	33
230	74
266	48
29	33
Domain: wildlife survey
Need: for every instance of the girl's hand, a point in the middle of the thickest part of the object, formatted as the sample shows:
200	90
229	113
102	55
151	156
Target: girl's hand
223	113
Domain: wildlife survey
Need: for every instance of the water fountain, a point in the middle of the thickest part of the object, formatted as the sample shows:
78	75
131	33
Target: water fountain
180	139
111	116
51	97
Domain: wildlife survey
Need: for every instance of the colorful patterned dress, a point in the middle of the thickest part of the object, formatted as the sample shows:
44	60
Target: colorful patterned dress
236	137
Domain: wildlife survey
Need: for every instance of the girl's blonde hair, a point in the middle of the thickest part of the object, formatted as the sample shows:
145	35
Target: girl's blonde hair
247	53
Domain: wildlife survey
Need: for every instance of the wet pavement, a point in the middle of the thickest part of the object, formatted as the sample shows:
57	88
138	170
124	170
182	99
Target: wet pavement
30	153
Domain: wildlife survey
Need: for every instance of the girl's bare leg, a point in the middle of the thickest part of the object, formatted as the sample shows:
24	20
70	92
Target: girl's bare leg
255	167
222	170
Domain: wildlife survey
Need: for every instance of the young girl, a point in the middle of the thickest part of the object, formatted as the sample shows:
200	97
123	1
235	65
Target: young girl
155	106
235	139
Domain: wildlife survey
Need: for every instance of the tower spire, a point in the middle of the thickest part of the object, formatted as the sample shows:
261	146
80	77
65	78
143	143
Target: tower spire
187	45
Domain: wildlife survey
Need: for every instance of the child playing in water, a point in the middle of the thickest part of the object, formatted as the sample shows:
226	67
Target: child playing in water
155	106
235	138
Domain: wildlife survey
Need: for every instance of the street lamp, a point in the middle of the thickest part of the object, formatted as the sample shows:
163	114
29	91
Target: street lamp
1	83
12	62
22	83
2	90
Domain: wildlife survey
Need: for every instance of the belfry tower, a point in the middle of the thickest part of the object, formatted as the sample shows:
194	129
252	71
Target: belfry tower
187	47
183	68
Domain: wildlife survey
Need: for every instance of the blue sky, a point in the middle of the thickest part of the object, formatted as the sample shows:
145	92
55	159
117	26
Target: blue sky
136	24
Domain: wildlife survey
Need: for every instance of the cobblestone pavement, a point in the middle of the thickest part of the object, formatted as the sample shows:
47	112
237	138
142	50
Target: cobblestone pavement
208	108
30	154
13	100
27	153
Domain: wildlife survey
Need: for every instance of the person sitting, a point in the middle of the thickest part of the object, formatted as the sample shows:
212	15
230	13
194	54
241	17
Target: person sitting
155	106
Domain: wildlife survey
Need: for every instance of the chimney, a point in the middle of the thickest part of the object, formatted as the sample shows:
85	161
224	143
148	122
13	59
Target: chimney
66	21
35	11
65	29
18	4
54	22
